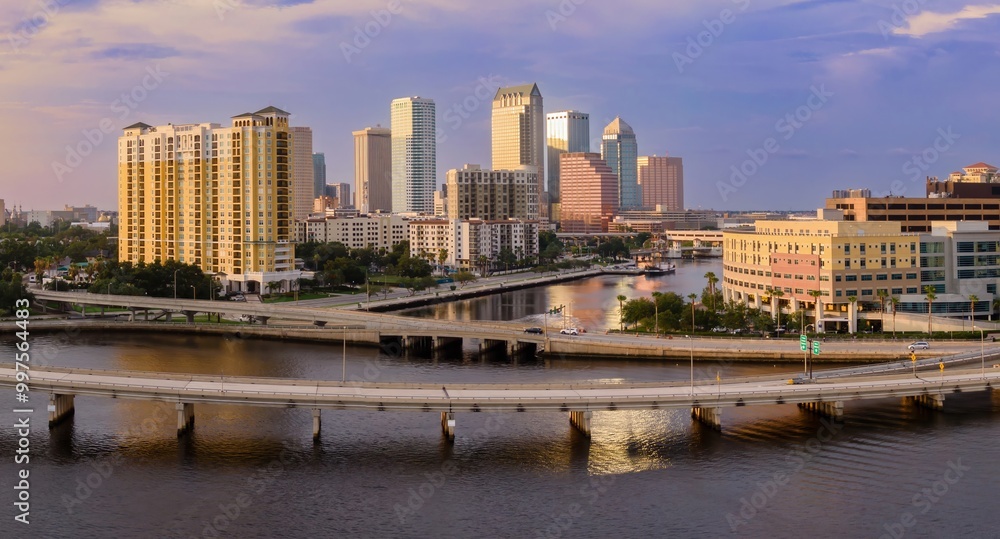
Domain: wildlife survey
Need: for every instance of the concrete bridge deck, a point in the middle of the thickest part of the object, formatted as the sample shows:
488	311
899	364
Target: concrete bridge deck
706	398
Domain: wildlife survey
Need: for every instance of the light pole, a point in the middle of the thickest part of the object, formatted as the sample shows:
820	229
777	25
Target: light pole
982	350
343	372
691	347
175	282
194	294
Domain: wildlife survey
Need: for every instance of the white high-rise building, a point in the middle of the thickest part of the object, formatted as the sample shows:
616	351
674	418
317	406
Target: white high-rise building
567	131
414	155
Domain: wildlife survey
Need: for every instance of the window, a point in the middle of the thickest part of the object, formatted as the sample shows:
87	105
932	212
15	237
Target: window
896	291
911	290
851	292
866	292
911	275
850	278
836	278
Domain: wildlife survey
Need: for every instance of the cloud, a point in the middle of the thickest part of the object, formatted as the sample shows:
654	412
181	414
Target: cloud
928	22
137	51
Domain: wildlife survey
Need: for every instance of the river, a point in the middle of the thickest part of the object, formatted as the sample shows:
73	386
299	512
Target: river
117	468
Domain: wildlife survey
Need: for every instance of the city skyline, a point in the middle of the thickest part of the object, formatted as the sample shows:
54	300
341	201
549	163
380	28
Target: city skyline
81	73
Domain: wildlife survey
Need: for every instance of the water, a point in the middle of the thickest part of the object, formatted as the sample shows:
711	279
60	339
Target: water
644	473
590	303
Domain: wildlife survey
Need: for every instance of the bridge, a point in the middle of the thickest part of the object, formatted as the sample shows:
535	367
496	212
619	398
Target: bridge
706	399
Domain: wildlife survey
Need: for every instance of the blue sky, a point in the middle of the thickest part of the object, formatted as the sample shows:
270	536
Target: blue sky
781	102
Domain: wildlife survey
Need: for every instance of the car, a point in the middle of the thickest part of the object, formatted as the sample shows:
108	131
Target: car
533	330
569	331
919	345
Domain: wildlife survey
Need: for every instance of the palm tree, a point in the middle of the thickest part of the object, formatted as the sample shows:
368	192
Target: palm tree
692	297
931	295
972	307
621	312
816	294
882	295
656	313
853	300
895	307
712	279
777	293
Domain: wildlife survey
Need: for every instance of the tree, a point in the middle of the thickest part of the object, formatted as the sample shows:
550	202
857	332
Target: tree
464	277
693	298
442	257
972	308
777	294
882	295
712	279
815	295
931	295
621	312
852	300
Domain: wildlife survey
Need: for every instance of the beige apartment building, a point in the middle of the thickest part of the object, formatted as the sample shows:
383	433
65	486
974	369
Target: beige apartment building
471	243
371	231
373	169
303	175
220	198
916	214
836	259
491	195
661	180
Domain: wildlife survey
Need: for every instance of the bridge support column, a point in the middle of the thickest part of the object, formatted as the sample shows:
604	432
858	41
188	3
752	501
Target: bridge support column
934	401
262	319
832	409
489	346
317	424
185	417
60	408
319	323
708	416
580	419
448	425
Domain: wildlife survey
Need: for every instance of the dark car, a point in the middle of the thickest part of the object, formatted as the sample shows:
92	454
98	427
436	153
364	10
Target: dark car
533	330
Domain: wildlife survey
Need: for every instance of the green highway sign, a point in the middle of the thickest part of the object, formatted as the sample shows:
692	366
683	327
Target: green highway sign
815	348
803	343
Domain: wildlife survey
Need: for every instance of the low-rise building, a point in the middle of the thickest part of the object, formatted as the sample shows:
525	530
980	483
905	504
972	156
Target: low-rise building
470	243
370	231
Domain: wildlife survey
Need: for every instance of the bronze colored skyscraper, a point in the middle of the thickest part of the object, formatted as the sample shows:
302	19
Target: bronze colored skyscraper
662	182
373	169
589	190
519	131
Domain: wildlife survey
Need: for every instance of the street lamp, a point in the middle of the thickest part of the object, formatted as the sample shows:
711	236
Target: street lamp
343	373
982	350
691	347
175	282
194	294
808	352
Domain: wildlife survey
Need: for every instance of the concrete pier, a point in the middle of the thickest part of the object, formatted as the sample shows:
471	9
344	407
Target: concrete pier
580	419
418	344
60	408
185	417
189	315
831	409
492	346
317	424
448	425
933	401
708	416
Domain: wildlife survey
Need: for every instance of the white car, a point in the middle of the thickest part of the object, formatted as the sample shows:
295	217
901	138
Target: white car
919	345
569	331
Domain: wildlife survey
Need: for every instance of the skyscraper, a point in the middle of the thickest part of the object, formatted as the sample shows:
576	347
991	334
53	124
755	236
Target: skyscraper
661	180
216	197
373	169
319	174
589	193
619	150
566	131
519	131
474	193
414	154
302	171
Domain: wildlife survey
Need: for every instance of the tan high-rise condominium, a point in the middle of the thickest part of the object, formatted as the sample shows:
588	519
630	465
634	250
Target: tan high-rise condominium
216	197
474	193
566	131
518	129
589	192
373	169
414	154
303	182
661	180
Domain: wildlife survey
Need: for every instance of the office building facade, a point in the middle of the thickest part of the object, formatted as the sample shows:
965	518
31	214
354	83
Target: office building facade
474	193
589	192
620	151
319	174
661	182
518	130
566	131
373	169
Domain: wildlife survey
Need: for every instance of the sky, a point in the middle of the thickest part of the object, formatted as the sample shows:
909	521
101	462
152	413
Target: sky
772	104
